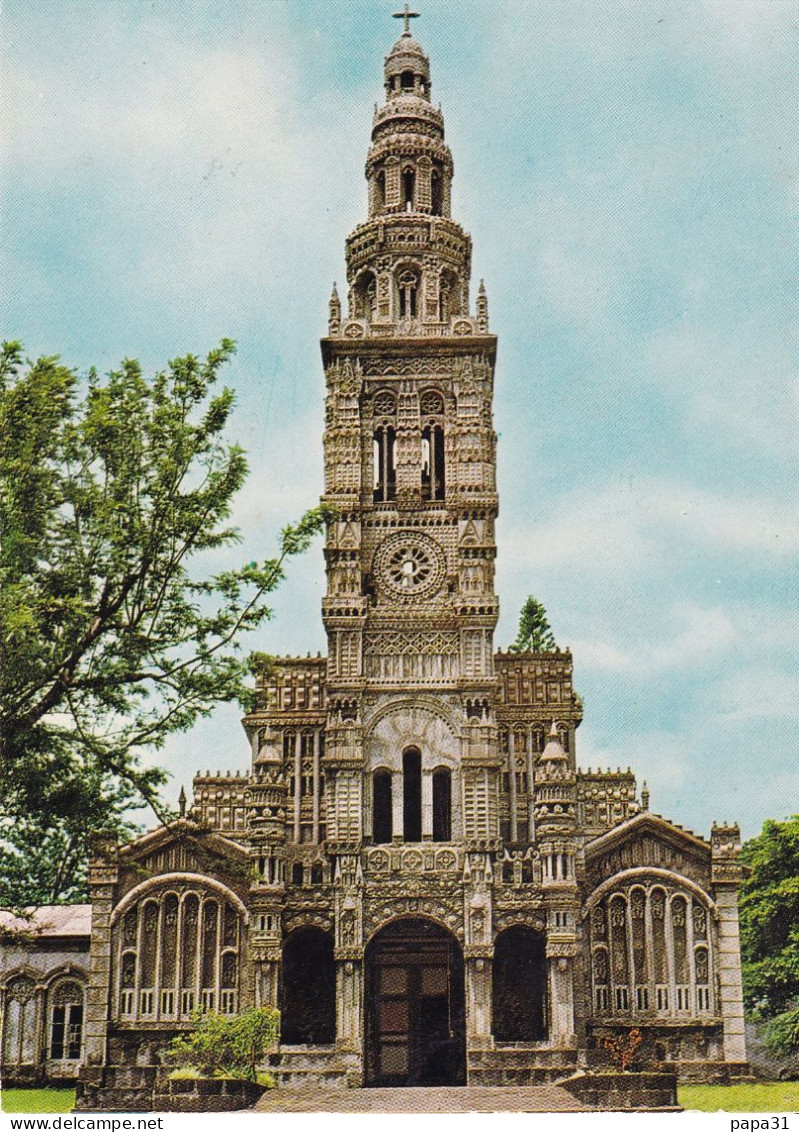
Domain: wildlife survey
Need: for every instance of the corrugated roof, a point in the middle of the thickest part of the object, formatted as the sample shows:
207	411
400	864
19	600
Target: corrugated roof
51	920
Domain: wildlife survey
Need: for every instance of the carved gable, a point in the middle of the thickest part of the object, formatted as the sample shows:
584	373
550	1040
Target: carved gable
647	842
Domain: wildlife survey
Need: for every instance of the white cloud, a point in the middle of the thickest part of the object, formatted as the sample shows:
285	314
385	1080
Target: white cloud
626	526
735	385
751	26
757	693
702	634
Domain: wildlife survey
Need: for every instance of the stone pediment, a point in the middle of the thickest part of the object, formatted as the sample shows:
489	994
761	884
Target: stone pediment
647	841
184	846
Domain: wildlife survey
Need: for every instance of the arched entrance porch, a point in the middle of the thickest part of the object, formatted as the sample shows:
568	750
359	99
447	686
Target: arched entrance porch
414	1005
415	1016
519	992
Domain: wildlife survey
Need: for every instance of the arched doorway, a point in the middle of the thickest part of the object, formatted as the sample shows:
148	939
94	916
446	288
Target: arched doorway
415	1017
519	1005
308	989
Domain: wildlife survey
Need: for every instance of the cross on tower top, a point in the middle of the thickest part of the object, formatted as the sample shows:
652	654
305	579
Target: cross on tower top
406	15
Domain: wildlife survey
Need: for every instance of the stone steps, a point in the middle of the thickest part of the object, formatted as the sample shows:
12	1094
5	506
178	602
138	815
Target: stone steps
309	1067
546	1098
520	1066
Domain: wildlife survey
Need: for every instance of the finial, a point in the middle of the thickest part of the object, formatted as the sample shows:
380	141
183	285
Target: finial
644	797
182	802
482	309
334	317
406	15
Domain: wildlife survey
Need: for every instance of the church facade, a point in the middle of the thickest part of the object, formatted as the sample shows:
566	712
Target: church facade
414	867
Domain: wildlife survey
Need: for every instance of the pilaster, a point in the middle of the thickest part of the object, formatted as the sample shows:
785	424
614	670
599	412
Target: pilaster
103	875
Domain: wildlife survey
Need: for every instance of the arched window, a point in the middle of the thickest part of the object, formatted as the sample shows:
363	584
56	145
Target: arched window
618	952
408	286
412	794
385	472
442	805
679	927
408	189
659	956
380	191
436	194
297	874
433	477
407	80
20	1019
176	952
365	296
65	1040
449	303
382	831
640	971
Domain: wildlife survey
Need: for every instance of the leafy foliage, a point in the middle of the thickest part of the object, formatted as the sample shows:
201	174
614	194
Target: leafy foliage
44	858
623	1048
114	495
769	917
231	1045
535	634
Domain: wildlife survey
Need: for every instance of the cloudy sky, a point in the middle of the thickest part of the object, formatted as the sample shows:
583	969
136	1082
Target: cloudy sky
176	171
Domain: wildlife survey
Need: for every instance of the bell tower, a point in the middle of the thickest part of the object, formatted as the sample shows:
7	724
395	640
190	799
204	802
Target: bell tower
410	448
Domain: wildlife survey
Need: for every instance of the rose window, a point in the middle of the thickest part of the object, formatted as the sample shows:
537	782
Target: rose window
410	565
384	404
431	403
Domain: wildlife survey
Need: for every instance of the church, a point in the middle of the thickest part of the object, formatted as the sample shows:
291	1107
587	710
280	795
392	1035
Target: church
413	866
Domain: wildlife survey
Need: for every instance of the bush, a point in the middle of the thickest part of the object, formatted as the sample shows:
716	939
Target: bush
226	1045
623	1048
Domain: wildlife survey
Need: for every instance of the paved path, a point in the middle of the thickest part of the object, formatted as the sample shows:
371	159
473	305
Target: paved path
541	1098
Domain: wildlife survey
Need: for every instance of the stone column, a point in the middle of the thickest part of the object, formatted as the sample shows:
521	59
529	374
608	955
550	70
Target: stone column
42	1028
478	975
561	997
297	785
514	809
267	979
728	962
102	879
349	1000
317	788
531	785
396	807
427	805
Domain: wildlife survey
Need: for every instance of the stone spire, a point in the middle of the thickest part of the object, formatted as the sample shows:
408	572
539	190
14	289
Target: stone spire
334	317
409	263
553	752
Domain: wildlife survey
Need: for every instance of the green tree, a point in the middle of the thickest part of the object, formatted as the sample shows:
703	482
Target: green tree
44	852
230	1045
113	632
534	634
769	916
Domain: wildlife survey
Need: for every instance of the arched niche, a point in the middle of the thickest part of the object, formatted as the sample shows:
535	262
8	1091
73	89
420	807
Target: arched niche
308	988
519	1000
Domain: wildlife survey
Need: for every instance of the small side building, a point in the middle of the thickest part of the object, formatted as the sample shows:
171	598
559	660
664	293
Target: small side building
44	976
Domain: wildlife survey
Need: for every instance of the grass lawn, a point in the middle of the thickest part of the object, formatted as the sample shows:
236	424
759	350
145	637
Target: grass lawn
37	1100
764	1096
